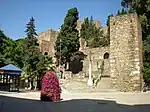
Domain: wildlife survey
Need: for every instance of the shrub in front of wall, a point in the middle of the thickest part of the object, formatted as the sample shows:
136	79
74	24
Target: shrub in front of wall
50	90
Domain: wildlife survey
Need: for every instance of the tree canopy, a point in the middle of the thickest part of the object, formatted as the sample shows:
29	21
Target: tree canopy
35	62
93	35
67	41
25	54
2	47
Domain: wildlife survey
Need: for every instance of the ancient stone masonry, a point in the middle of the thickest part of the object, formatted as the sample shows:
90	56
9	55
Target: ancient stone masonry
48	38
47	42
97	56
100	64
123	59
120	64
126	61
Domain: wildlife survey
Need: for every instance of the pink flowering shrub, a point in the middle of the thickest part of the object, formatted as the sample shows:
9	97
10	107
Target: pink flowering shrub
50	87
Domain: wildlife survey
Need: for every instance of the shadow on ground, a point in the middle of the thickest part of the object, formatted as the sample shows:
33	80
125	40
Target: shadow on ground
10	104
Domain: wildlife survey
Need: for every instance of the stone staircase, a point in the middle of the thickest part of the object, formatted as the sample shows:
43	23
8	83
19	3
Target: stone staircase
104	83
106	71
78	83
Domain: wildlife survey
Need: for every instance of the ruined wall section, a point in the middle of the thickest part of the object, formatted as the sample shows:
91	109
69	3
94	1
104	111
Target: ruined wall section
47	41
126	61
97	56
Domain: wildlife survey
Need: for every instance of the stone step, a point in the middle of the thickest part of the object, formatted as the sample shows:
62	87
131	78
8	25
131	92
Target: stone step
80	86
104	83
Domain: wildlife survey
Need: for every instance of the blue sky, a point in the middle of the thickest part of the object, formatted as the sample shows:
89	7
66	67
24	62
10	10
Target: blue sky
48	14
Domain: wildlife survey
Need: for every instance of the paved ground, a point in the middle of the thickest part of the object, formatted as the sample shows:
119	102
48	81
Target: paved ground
76	102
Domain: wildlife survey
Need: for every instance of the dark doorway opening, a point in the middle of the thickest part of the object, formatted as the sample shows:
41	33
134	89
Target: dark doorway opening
106	55
46	53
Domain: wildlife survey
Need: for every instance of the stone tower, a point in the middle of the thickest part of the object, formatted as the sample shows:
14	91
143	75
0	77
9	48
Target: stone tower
47	42
126	61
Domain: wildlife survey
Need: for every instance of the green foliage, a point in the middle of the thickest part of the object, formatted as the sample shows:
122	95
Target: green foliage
121	12
2	42
108	25
25	53
9	52
92	35
20	52
2	39
35	63
84	29
111	15
147	58
67	41
6	49
31	32
31	55
142	8
2	60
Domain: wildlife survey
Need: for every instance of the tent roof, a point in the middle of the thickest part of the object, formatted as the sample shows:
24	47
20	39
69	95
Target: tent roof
10	67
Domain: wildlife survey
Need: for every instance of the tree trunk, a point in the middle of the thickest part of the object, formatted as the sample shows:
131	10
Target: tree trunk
32	85
38	84
66	65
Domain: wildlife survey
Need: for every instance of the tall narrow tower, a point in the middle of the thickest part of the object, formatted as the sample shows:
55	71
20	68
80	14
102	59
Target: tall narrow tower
126	58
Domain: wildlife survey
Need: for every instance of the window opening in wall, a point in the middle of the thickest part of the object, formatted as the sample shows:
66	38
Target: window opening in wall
46	53
106	55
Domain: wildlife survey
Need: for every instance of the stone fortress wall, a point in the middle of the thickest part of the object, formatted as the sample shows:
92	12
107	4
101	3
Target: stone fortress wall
126	59
48	38
97	56
47	41
122	60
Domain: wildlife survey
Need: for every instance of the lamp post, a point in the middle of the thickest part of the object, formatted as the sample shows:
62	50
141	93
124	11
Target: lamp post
60	60
90	82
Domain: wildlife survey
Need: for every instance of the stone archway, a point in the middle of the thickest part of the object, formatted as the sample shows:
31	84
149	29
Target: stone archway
106	55
45	53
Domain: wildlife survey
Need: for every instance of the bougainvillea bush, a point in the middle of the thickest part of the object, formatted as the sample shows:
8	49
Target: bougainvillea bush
50	87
